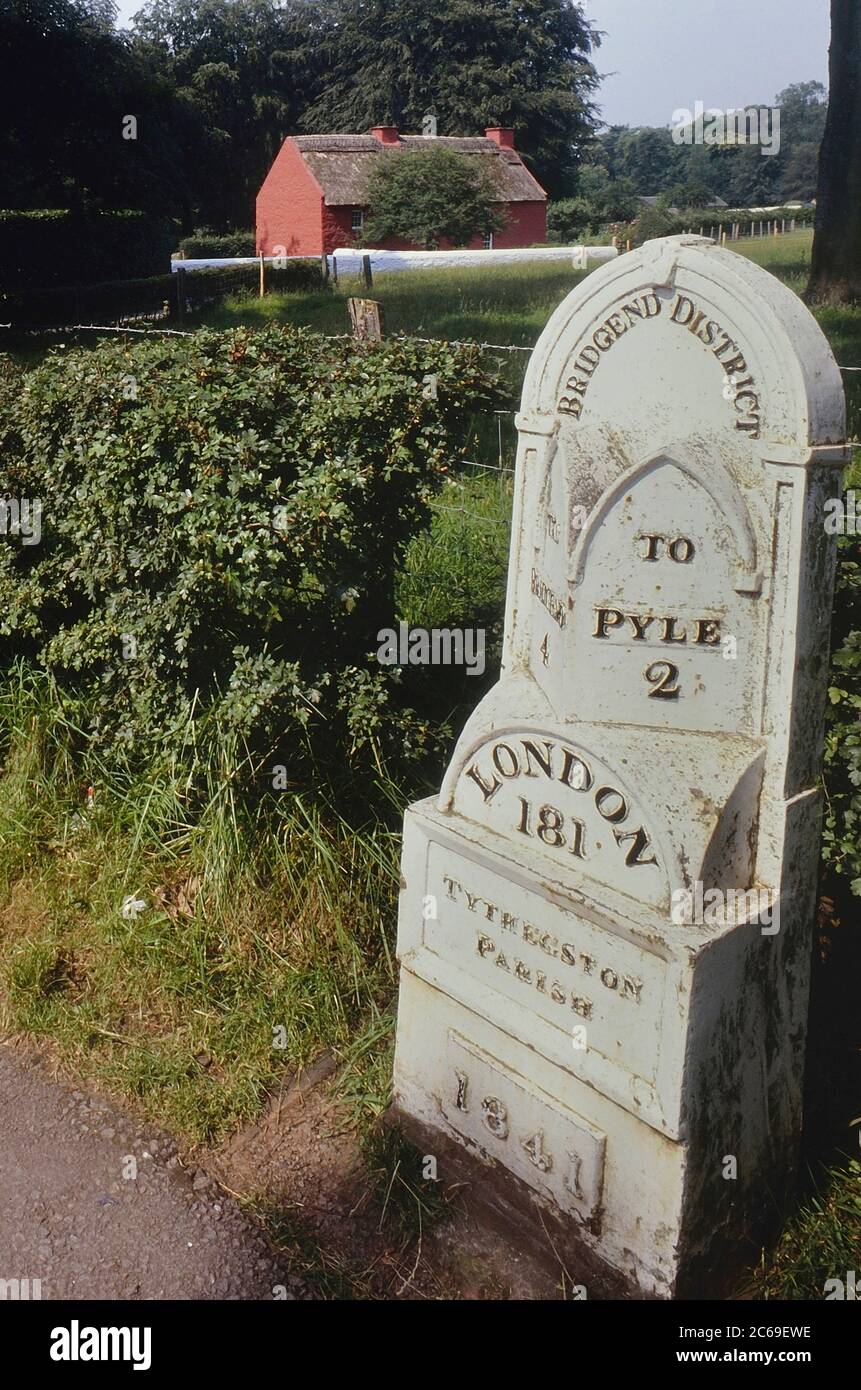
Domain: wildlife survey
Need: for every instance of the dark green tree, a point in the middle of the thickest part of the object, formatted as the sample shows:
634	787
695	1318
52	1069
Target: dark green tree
835	273
246	69
475	63
738	173
62	141
649	158
431	195
800	174
600	197
803	111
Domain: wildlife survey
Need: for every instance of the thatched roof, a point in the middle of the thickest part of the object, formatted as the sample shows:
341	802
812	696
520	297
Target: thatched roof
341	164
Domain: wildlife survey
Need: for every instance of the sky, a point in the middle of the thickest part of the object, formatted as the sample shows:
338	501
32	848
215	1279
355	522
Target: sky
660	56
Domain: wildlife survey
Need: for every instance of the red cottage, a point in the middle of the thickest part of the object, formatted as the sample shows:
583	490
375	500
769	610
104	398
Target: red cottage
313	198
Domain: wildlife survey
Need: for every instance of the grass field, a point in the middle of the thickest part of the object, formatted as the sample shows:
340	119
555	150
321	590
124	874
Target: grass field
500	304
509	305
248	927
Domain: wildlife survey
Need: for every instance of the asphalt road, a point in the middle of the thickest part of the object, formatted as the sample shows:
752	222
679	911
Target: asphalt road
93	1206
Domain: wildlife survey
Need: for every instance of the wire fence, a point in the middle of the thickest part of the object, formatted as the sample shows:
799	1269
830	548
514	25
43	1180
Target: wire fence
127	303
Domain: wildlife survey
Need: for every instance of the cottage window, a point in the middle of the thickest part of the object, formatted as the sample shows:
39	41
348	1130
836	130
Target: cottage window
358	222
488	241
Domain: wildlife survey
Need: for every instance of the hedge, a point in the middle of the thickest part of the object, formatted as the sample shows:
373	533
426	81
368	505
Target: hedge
99	304
58	247
154	297
223	518
204	243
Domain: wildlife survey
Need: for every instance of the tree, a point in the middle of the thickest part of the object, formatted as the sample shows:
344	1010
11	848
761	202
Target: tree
568	219
431	195
799	178
737	172
62	142
246	69
650	222
609	199
475	63
803	110
649	158
835	273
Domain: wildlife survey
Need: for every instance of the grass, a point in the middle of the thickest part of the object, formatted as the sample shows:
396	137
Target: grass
499	304
822	1242
257	921
251	922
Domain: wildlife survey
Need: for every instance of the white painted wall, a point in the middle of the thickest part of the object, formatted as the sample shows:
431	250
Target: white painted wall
350	259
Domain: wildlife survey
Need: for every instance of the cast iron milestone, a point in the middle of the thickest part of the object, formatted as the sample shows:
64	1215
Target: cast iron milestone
606	915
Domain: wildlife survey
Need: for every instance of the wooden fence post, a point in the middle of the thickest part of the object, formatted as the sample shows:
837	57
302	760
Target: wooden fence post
367	277
324	267
262	276
366	318
335	270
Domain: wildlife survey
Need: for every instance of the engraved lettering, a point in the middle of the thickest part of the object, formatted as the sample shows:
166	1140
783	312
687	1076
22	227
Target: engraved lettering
707	632
652	546
514	765
575	773
669	633
618	811
547	598
545	762
681	550
640	626
487	789
635	853
607	618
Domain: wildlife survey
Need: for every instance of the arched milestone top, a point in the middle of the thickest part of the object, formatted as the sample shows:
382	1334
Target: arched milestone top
715	480
801	385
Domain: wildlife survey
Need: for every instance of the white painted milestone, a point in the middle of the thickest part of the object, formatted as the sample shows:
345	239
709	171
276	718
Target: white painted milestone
608	997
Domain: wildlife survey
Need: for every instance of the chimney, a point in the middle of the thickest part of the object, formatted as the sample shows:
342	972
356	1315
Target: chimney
502	135
386	134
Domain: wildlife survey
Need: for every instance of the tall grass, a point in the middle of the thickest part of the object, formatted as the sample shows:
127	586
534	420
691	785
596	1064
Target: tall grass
501	304
265	931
